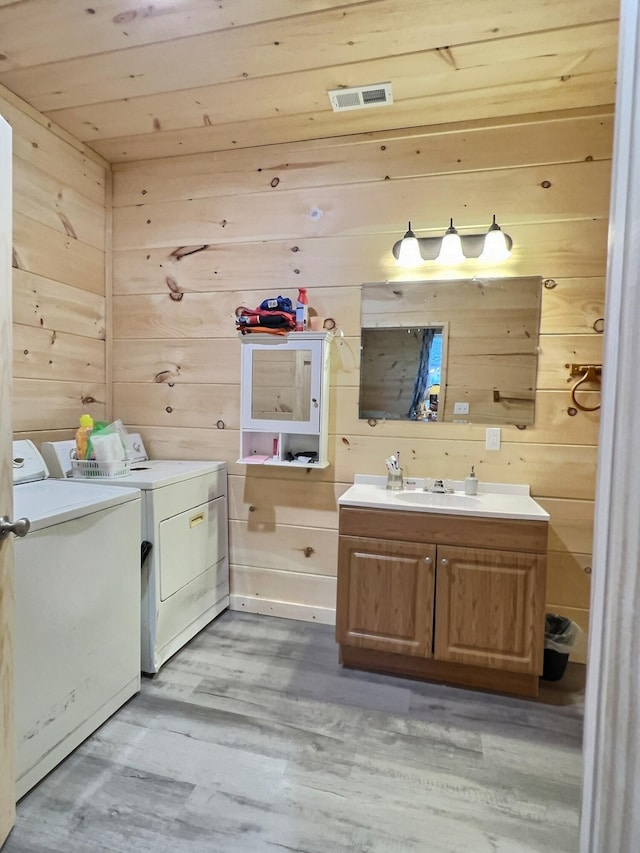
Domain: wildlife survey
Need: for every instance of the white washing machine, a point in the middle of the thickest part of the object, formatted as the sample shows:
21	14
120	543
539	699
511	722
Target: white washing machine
77	620
185	577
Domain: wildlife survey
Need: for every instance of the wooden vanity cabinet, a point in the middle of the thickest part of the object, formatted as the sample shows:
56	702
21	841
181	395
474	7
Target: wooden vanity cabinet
450	598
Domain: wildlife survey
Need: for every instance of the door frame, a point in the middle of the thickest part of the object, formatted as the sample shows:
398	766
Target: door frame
611	787
7	771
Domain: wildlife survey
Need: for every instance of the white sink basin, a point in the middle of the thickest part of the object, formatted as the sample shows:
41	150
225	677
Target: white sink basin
494	500
446	501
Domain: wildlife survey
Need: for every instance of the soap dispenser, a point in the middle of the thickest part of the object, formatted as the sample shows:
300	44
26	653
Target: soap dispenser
471	483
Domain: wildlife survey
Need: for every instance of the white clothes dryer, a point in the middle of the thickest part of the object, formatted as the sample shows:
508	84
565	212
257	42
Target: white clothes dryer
185	577
77	620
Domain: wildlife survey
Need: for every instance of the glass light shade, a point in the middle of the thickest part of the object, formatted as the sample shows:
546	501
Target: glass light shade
451	248
409	252
495	245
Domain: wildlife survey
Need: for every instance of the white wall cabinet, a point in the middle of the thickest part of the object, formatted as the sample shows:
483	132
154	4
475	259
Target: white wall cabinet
284	414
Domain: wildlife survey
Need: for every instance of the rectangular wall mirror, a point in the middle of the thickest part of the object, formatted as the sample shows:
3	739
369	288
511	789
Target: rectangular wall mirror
464	350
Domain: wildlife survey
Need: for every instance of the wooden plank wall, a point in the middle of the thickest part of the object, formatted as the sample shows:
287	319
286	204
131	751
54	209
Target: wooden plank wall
198	235
59	296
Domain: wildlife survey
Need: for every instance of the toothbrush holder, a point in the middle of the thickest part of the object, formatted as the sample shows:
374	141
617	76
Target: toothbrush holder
395	479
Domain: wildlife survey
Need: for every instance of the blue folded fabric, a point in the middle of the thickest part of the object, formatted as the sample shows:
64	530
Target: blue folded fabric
279	303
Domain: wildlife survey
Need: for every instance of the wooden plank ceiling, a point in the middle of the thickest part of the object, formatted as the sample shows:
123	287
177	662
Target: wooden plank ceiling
137	81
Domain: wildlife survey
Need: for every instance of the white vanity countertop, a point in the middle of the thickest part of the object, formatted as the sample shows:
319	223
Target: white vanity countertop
494	500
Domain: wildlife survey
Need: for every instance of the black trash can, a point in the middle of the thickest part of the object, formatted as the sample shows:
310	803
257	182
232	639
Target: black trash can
560	634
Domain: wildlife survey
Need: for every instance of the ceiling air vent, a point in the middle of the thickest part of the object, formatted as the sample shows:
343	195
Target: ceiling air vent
360	97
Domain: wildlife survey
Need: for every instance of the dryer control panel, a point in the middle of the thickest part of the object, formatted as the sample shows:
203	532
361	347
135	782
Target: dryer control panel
28	464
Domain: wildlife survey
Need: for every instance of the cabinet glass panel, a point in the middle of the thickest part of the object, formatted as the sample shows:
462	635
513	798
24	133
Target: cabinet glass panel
281	385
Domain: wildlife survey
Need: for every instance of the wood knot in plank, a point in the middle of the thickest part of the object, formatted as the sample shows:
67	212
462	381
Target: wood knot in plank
175	293
183	251
68	227
446	54
125	17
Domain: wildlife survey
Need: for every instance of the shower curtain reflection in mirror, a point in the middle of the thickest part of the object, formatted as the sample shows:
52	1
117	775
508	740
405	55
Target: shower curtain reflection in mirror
424	402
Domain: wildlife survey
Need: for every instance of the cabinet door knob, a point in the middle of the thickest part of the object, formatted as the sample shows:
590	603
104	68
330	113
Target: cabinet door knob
444	562
427	560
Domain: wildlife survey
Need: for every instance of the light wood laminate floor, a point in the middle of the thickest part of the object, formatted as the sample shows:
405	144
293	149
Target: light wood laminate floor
254	739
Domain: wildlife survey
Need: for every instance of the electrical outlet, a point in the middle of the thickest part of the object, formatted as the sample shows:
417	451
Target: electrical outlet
460	408
493	438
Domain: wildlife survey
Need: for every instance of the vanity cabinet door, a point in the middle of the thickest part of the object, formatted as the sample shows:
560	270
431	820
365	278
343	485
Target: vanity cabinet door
490	608
385	595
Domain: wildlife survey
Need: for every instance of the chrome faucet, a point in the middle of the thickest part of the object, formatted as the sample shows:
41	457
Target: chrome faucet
438	487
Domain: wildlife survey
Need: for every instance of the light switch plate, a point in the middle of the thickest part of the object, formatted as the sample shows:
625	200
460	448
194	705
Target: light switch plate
493	438
460	408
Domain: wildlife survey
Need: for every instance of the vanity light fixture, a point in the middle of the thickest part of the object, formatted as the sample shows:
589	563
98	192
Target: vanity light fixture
495	244
409	250
452	248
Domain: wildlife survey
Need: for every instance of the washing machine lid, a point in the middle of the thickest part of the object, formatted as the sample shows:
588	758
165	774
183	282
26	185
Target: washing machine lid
158	473
49	502
145	473
28	464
